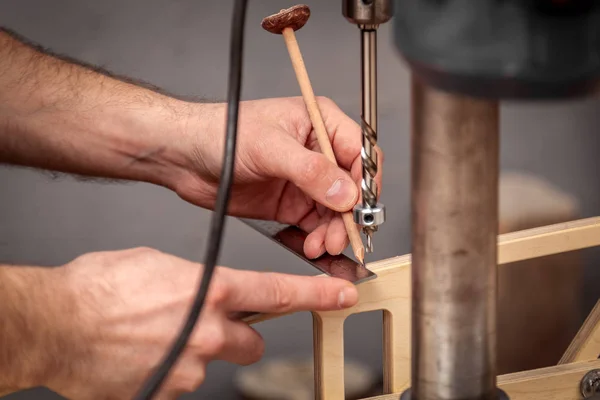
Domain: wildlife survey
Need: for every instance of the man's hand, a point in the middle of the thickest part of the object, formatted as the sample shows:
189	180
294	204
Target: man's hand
110	317
280	173
61	116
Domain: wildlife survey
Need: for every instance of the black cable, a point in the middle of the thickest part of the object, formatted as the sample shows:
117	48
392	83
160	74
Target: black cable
218	221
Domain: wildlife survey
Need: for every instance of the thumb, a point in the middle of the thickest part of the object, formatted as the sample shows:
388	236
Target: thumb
321	179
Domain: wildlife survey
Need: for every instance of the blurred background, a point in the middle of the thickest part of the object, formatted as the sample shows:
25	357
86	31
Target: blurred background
183	46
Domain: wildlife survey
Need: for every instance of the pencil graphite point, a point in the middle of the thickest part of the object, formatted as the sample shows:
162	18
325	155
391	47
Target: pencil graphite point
360	255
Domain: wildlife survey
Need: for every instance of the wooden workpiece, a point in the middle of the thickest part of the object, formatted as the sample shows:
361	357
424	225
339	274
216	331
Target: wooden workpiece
391	292
552	383
586	345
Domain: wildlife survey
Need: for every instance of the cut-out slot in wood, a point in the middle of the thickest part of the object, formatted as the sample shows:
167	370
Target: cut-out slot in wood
390	292
363	355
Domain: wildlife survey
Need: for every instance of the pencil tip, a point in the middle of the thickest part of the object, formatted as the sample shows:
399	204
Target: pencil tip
360	256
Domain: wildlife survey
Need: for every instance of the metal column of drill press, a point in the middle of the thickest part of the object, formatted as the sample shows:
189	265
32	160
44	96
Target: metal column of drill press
455	168
465	56
368	15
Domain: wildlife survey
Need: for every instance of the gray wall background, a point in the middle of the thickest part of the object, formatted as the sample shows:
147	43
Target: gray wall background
182	45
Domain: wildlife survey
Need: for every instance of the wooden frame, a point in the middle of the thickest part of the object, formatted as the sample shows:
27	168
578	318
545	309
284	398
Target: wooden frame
390	292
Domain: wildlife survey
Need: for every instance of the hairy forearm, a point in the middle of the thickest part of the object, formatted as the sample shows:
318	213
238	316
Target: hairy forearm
62	116
33	326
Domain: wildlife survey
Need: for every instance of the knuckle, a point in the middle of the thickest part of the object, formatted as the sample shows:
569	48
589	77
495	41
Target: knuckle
139	250
190	381
140	254
314	169
281	294
215	341
218	344
324	296
86	258
258	351
200	377
195	380
325	101
185	386
219	293
144	251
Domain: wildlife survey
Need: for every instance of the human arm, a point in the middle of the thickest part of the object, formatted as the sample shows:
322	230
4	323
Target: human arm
99	325
68	117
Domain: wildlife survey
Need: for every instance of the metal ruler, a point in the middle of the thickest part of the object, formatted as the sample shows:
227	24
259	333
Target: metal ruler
292	239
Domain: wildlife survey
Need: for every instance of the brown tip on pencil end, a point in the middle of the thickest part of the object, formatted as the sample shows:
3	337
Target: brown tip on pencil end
294	17
360	256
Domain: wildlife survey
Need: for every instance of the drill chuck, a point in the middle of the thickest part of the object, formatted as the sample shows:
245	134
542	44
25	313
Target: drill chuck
367	12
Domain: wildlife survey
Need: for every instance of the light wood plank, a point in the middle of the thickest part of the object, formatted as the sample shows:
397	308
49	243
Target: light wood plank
396	346
552	383
328	346
512	247
586	345
547	240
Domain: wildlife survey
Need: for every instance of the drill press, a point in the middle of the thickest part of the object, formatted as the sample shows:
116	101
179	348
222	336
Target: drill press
465	57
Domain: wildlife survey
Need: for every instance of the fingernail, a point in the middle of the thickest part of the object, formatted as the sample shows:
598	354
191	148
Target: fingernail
342	193
347	297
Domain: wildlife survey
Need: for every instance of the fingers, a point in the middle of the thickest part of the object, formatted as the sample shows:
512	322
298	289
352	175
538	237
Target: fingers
187	376
344	133
346	138
281	293
314	245
320	179
217	337
330	236
315	224
312	172
336	238
243	345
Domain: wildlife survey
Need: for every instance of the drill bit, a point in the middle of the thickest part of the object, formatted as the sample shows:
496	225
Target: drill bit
369	234
369	125
368	16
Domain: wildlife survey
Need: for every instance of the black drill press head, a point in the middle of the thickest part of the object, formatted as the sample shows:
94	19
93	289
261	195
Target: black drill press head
528	49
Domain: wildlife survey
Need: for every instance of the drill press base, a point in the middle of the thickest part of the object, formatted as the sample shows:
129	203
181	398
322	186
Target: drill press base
500	396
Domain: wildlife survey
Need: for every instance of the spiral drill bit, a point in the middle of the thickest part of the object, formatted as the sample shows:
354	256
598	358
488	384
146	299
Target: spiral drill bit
369	165
364	214
368	15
